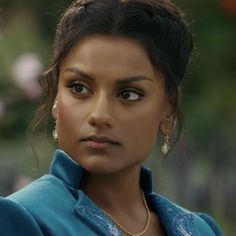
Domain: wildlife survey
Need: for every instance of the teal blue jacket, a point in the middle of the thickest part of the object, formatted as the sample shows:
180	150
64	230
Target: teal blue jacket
55	205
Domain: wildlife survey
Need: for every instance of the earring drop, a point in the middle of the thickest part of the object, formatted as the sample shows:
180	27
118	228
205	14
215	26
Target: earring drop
165	148
54	132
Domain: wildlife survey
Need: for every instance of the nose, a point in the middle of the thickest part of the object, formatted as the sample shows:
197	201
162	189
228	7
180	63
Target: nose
100	115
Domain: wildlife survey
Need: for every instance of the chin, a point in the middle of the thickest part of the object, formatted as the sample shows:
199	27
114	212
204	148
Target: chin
96	164
98	169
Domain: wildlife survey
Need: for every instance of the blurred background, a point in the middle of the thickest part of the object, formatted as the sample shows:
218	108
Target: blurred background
199	174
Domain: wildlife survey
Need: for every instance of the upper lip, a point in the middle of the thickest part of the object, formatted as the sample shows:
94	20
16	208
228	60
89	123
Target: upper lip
99	139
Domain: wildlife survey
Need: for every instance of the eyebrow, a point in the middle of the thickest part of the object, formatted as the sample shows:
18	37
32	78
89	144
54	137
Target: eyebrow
90	77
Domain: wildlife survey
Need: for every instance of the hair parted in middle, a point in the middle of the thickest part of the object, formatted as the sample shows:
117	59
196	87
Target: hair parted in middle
158	25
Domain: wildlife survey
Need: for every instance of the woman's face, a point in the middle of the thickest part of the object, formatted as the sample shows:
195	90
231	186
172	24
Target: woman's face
110	104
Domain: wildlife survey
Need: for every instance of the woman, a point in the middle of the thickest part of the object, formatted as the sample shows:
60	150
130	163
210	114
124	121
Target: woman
113	85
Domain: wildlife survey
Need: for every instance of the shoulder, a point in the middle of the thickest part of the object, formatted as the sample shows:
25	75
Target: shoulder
41	193
181	221
15	220
211	222
24	211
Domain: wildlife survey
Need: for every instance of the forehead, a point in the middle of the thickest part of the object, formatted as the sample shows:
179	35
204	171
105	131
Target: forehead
99	53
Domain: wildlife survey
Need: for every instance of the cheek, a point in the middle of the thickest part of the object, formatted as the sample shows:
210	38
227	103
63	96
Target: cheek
143	129
68	118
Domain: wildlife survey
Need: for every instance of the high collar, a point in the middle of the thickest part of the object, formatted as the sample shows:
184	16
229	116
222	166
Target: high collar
176	220
70	172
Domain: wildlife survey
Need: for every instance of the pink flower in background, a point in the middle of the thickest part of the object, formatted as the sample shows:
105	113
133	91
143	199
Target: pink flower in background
26	72
21	182
2	109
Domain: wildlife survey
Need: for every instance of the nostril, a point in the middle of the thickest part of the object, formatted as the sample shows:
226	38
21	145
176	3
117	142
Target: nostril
101	113
93	123
100	122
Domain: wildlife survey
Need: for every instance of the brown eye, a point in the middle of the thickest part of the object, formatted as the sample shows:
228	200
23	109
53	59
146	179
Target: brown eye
130	95
78	89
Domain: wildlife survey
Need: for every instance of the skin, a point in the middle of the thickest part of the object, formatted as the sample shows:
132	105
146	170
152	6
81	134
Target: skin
108	86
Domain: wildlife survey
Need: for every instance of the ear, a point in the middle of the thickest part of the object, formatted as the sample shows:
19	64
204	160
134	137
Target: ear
54	109
169	121
168	125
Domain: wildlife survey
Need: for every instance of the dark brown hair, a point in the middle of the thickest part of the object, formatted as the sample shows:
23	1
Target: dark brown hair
157	24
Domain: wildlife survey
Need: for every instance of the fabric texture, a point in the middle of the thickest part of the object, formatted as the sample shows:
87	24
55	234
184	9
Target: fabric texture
54	205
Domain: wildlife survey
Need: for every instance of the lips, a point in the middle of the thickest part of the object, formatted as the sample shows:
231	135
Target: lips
95	141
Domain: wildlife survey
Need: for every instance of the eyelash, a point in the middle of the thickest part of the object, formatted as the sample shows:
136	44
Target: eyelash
73	85
129	90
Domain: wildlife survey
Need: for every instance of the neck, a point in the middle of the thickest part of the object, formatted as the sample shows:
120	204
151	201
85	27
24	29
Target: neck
119	192
120	197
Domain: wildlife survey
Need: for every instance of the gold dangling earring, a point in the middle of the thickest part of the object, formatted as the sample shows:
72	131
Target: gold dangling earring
165	148
54	132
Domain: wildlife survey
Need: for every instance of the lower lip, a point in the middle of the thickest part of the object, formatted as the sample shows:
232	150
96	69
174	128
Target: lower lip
96	145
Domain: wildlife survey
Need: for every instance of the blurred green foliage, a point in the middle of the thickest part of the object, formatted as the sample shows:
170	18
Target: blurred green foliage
200	173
